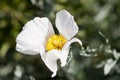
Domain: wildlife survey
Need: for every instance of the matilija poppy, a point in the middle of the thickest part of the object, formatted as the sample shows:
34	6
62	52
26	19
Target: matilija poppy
38	37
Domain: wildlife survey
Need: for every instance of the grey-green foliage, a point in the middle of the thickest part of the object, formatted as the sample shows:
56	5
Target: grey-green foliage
99	30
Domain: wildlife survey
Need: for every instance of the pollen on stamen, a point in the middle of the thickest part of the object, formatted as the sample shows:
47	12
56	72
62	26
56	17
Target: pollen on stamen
55	42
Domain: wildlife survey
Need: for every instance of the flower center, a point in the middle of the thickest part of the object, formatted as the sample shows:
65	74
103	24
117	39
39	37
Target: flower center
55	42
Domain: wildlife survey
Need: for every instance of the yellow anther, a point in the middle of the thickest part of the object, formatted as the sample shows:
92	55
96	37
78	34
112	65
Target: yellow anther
55	42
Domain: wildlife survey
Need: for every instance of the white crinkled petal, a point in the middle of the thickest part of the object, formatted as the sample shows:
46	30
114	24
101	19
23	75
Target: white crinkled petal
50	59
33	35
65	50
66	25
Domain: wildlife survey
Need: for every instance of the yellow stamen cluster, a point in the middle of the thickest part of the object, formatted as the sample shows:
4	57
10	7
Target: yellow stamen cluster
55	42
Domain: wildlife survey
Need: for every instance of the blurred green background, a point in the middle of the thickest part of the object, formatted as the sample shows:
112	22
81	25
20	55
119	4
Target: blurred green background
99	30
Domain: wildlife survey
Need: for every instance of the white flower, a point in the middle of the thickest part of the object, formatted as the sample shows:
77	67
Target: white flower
38	36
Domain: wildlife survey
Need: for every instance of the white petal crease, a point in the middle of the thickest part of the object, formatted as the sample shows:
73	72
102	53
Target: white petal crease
65	50
50	59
